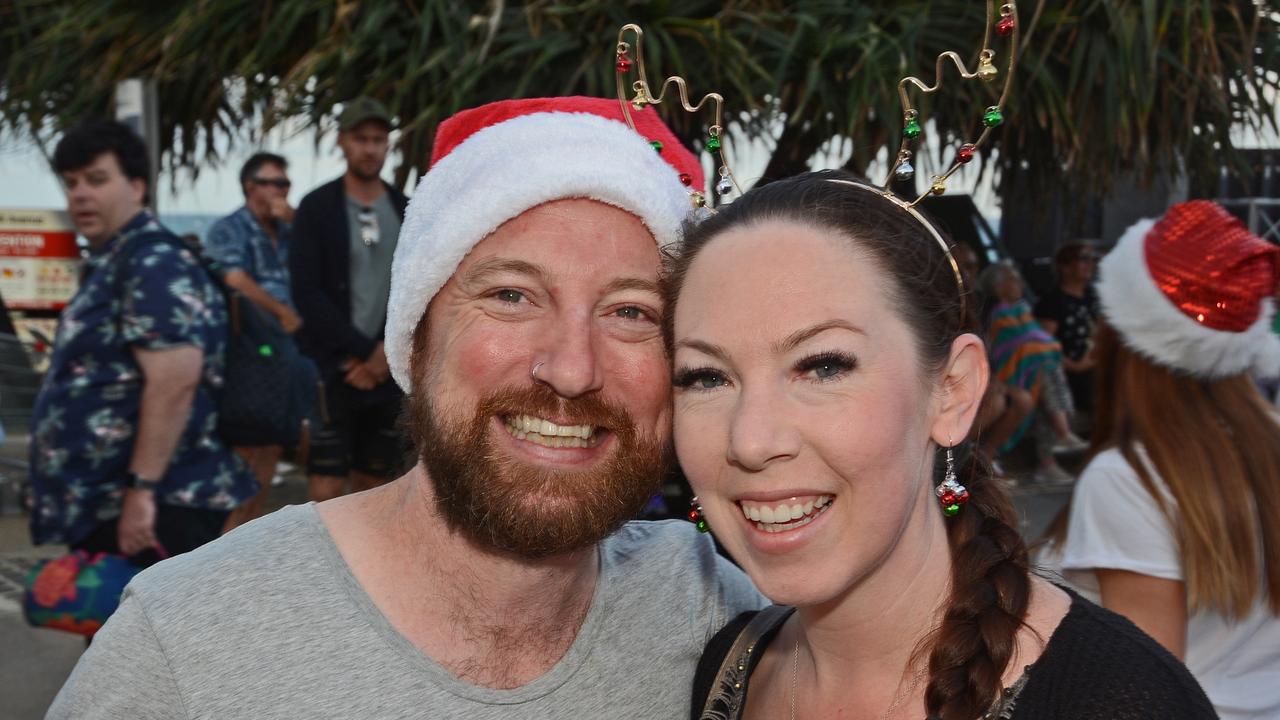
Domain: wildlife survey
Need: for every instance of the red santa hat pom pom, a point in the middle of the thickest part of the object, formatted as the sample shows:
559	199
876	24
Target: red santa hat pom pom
1193	291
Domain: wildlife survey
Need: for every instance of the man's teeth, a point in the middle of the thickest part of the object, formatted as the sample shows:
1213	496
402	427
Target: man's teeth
544	432
786	515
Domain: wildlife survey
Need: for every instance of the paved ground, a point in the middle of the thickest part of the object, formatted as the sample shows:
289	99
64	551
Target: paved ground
34	663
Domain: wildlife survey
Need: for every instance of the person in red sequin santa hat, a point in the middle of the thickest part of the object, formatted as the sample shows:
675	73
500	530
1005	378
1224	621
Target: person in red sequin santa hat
1173	523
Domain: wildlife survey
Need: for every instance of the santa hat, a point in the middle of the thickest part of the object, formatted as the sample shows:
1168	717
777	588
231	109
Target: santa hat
494	162
1193	291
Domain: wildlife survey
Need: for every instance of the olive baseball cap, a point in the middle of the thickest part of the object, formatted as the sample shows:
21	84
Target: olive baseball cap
358	110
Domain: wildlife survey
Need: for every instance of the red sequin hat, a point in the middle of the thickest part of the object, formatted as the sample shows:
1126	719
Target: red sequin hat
1194	291
493	162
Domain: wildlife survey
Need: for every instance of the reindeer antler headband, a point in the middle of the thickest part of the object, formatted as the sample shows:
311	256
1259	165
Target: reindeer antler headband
1005	27
643	96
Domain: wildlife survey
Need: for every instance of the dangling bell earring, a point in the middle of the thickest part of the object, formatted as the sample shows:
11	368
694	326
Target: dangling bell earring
695	515
951	493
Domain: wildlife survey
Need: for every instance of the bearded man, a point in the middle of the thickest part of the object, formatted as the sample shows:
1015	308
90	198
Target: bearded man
499	578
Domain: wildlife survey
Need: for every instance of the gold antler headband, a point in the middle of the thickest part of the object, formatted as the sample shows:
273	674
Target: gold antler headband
644	96
1006	26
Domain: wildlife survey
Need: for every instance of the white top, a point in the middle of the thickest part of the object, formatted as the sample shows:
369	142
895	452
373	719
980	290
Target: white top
1115	524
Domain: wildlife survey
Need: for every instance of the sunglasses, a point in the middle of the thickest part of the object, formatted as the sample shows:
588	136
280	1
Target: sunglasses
281	183
368	220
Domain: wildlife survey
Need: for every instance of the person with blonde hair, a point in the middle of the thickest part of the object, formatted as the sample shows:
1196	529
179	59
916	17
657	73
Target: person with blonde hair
1173	523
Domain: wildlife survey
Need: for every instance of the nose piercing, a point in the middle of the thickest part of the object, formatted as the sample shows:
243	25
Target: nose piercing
536	367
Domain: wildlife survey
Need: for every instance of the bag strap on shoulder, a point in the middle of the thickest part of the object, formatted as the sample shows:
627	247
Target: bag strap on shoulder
730	684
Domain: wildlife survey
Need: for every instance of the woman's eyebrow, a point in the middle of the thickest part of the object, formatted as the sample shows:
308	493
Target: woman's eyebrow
792	341
707	348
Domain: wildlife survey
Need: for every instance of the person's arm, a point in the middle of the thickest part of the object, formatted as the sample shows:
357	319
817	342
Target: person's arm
1084	364
243	282
169	381
368	373
1050	326
1157	606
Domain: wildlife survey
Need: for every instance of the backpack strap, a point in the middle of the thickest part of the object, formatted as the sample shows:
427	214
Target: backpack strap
729	688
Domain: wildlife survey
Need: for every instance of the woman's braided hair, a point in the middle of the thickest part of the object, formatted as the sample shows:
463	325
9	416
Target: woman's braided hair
990	586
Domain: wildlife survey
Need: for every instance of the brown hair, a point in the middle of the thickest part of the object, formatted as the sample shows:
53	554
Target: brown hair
1215	445
990	585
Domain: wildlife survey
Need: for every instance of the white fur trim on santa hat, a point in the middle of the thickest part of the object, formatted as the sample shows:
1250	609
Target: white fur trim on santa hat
504	170
1150	324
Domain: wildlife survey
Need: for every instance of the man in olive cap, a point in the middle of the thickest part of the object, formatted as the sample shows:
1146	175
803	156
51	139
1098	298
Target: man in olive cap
345	235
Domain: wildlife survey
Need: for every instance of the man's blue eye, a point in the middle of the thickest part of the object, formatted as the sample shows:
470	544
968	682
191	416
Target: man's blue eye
632	313
509	296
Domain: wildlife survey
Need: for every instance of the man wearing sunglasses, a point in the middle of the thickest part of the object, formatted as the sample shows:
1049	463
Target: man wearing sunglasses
345	235
252	243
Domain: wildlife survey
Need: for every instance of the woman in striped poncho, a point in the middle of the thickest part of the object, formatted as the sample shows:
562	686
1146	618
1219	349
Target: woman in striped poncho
1025	355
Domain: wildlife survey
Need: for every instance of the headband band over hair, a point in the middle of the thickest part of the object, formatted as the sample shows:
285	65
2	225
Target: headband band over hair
910	209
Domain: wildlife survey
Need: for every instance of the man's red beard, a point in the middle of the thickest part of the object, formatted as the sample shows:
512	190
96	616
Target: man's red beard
529	511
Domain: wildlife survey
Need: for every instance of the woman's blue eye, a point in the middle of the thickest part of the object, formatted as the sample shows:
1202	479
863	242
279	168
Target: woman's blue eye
826	370
509	296
827	366
700	379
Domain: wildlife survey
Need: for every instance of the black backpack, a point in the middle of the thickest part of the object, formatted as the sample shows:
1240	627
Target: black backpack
270	389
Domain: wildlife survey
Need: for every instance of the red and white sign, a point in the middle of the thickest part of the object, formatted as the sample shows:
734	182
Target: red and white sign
39	260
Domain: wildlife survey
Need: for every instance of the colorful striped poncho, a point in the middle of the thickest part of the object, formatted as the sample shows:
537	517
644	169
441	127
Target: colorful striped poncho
1021	350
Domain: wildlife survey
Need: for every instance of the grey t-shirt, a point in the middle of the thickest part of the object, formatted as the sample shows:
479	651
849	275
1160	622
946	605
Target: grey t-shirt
374	230
268	622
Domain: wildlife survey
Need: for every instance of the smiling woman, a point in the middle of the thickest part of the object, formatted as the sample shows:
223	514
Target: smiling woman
824	387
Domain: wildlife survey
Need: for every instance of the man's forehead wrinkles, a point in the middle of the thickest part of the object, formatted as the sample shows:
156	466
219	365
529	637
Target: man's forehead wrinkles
632	283
497	265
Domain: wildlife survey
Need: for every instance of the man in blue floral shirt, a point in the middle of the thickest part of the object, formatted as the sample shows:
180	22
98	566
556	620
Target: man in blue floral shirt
125	455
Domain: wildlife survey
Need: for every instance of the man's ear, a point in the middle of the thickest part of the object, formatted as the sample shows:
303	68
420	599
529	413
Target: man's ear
960	390
139	189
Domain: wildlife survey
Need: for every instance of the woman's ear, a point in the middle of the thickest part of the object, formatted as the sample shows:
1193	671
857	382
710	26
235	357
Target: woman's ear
962	387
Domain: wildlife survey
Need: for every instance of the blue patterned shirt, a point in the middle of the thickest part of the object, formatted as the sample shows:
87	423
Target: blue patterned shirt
140	292
238	241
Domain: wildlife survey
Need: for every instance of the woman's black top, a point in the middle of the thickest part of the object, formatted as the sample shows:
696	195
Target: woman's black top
1097	664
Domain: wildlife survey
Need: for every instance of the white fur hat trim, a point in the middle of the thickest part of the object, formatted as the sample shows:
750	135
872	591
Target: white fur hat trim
1153	326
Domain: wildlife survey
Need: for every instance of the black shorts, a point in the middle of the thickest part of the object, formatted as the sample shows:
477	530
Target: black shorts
178	530
359	432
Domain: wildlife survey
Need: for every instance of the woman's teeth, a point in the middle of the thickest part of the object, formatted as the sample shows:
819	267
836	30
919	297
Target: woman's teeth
786	515
548	434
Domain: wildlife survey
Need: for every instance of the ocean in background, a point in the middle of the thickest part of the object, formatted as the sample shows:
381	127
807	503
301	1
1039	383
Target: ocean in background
188	223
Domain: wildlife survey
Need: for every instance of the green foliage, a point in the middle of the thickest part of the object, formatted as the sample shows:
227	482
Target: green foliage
1104	87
